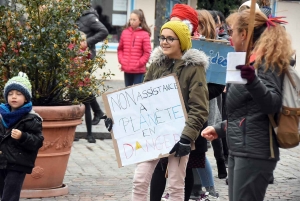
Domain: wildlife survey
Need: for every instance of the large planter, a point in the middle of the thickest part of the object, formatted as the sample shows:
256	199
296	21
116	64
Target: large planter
59	124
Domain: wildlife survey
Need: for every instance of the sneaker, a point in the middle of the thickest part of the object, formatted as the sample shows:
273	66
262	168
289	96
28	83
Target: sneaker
201	196
165	197
208	197
197	195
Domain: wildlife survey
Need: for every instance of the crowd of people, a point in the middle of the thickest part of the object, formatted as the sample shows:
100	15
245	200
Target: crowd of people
232	117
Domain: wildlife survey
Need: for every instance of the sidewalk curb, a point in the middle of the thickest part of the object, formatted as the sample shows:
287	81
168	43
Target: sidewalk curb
97	135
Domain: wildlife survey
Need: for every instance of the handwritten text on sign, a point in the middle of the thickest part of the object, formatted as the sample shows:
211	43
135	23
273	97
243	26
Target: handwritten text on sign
217	52
148	119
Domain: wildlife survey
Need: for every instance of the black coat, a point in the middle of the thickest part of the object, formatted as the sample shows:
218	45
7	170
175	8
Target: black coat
95	31
248	107
20	154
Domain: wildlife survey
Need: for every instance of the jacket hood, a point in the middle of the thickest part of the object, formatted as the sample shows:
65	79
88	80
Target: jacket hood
90	11
32	112
190	57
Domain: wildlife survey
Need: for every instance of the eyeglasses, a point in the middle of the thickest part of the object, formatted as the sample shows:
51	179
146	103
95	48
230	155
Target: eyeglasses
168	39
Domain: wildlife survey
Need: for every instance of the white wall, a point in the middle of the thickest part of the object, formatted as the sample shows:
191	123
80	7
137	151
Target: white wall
111	56
292	12
149	10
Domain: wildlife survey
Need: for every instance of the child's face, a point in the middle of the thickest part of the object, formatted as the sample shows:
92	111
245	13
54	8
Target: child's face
15	99
170	44
83	44
134	21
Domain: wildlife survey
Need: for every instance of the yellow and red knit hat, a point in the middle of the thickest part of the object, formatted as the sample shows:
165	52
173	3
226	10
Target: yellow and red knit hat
182	32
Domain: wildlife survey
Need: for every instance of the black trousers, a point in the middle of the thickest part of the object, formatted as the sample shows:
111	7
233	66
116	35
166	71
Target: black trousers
218	149
11	183
248	178
158	182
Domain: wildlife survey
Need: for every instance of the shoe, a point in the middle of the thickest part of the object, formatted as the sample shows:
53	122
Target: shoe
76	139
197	195
165	197
91	139
222	172
97	118
201	196
226	181
208	197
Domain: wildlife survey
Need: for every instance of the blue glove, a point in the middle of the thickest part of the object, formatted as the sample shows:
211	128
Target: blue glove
181	148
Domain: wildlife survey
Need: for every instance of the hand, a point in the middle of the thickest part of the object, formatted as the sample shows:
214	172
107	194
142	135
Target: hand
209	133
247	72
181	148
16	134
108	123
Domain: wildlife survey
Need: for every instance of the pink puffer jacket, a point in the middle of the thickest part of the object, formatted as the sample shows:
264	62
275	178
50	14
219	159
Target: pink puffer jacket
134	50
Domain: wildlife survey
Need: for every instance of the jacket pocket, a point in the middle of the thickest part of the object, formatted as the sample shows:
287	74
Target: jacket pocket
242	126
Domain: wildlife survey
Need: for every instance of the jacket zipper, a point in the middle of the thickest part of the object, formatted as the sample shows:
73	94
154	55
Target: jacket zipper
133	42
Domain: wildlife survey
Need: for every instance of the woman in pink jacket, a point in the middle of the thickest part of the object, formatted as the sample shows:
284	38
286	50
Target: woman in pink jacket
134	48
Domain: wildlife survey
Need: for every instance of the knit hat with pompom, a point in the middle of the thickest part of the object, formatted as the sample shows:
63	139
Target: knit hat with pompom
20	83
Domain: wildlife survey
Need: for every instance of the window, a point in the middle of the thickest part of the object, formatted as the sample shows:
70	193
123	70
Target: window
114	15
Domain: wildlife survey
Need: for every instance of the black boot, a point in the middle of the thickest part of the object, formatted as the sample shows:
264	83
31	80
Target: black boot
98	117
98	113
90	138
222	172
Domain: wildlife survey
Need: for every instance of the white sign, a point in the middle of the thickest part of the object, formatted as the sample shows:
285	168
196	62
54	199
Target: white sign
119	5
233	75
148	119
119	19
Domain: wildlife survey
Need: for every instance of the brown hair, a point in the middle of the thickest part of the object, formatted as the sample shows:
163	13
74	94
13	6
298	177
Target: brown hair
270	43
230	19
206	24
141	16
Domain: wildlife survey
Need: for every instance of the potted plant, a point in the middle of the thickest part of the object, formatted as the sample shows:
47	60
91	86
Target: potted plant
35	39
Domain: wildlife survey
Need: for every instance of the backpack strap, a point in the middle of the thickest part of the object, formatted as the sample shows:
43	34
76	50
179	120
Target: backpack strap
271	141
291	79
272	121
271	124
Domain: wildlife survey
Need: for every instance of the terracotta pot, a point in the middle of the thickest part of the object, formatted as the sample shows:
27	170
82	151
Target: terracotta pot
59	124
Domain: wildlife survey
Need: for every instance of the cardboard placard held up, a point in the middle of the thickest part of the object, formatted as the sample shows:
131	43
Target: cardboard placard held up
217	53
148	119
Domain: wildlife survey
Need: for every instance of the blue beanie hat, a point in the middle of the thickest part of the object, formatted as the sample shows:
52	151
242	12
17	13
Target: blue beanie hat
20	83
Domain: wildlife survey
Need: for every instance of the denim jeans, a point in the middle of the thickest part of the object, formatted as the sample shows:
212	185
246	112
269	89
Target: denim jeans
206	175
133	78
176	176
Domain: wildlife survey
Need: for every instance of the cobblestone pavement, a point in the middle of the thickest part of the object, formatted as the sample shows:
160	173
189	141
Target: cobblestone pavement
93	175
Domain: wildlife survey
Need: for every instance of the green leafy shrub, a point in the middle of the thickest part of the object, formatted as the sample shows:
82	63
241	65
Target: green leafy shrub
35	39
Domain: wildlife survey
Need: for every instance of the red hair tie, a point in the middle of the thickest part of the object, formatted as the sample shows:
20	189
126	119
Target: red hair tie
272	20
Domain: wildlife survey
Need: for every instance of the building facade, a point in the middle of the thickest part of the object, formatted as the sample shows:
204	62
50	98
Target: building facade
118	12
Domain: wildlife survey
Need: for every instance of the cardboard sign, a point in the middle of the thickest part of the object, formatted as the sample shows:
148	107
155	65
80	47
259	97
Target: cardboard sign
217	52
148	119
